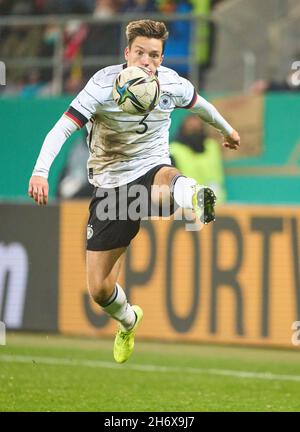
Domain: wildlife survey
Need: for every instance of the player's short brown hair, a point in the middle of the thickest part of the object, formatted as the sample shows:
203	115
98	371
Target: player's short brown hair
146	28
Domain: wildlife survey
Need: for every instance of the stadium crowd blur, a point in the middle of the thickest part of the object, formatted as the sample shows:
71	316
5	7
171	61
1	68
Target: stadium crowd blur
81	40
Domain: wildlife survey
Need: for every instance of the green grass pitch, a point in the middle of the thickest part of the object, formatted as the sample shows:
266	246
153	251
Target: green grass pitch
55	373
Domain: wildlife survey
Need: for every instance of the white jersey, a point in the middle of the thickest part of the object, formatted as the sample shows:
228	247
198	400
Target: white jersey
122	146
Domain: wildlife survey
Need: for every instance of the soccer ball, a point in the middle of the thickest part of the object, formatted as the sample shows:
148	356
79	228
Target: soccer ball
136	90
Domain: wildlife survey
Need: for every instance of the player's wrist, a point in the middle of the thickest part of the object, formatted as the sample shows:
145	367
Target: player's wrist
40	174
228	132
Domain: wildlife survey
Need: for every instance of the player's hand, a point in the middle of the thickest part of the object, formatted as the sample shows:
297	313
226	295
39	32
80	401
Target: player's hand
38	190
232	141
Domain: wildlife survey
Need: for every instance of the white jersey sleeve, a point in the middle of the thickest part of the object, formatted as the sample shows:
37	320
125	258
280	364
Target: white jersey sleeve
53	142
89	100
185	96
211	115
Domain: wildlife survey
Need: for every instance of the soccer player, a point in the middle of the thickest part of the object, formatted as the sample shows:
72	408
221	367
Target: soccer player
128	150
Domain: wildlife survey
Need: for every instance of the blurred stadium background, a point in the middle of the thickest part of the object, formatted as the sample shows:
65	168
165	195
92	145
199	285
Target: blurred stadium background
236	282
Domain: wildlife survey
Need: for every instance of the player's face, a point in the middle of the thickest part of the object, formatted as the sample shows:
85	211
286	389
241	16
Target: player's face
145	52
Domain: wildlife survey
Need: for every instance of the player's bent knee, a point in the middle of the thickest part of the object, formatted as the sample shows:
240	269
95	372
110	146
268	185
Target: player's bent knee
100	291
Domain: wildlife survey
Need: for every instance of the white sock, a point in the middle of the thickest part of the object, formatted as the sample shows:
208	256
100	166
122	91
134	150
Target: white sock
183	192
119	309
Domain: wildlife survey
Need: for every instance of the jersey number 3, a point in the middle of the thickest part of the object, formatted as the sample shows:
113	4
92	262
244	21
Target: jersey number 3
145	126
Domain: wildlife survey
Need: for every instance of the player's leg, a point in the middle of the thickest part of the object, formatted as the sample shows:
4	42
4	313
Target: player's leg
163	178
186	192
103	268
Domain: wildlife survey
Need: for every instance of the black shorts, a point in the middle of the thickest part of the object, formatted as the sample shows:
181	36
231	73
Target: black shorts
115	214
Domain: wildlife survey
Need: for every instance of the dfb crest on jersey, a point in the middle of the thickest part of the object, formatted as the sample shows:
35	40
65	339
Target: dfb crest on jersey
165	101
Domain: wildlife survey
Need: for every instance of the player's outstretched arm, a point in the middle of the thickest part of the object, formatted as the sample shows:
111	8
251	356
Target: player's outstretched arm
38	184
38	189
211	115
